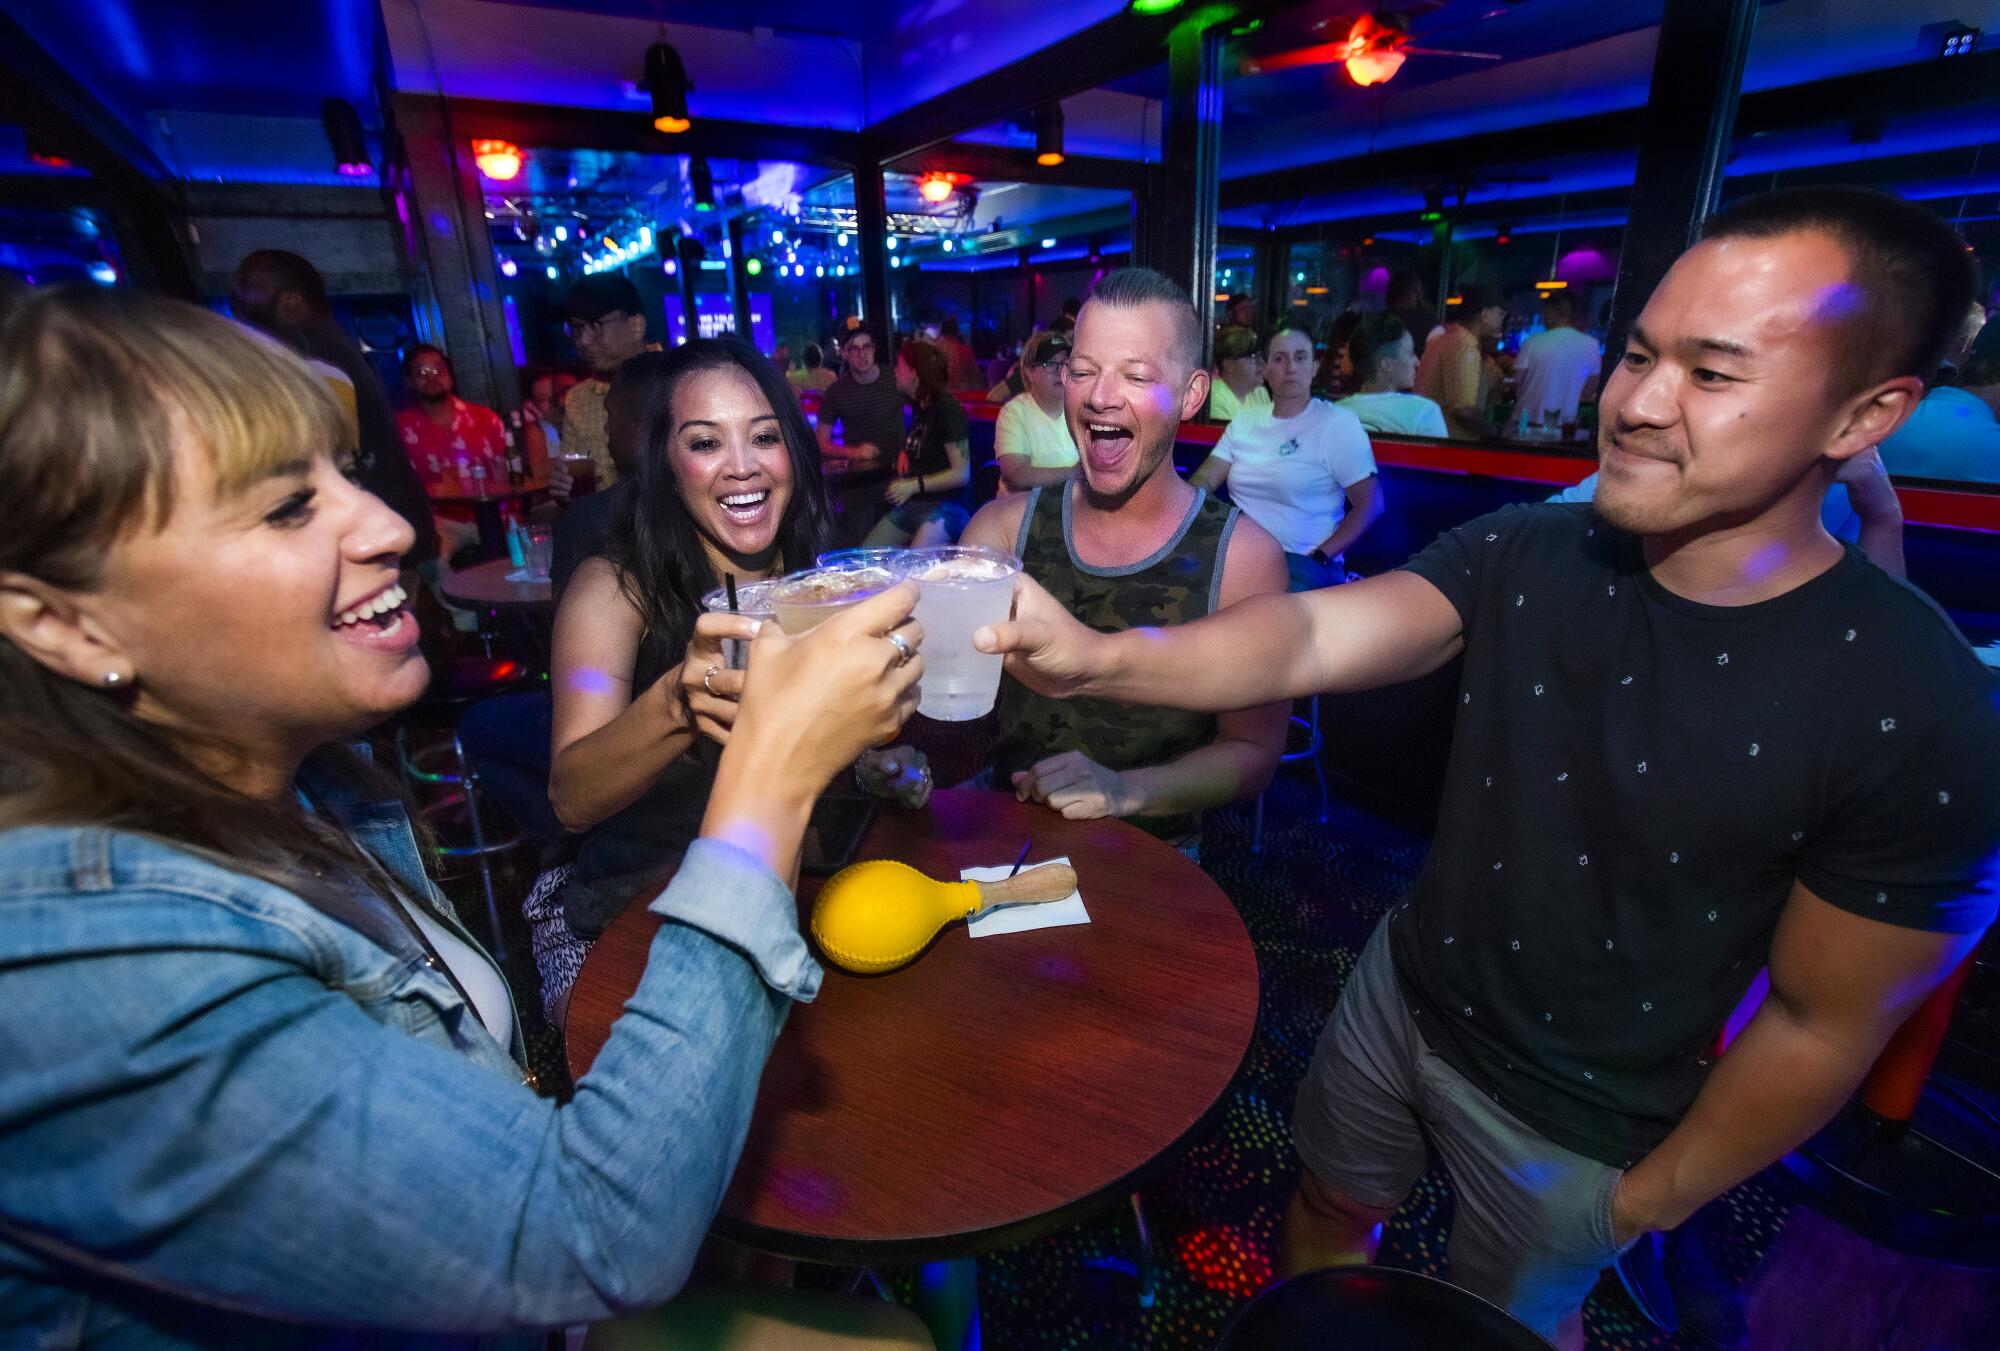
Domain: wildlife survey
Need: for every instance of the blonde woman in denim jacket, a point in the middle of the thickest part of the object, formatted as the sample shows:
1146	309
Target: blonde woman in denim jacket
257	1086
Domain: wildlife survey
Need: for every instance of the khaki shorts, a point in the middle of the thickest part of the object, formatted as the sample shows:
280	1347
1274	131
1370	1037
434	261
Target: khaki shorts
1533	1220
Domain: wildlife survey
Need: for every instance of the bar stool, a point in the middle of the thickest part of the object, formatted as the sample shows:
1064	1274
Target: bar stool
1308	749
1373	1309
1913	1162
455	685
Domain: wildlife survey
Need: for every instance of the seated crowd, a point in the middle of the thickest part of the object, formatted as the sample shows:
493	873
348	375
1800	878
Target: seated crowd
1697	735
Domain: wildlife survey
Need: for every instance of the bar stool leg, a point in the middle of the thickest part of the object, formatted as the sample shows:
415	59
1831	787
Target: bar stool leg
1257	826
469	785
1148	1265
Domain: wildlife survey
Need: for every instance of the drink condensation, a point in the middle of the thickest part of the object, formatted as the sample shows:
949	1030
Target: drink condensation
963	588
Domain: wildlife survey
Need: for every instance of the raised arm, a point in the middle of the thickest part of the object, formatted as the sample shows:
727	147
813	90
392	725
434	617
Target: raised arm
349	1173
609	742
1380	631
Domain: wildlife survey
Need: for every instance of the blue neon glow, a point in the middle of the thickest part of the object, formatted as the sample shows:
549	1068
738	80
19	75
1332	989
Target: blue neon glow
104	274
562	234
551	270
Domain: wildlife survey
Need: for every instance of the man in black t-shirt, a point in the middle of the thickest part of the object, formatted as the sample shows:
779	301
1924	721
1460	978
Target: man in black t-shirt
1696	736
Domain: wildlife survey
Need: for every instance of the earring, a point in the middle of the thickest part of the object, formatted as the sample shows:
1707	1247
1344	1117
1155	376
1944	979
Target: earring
110	677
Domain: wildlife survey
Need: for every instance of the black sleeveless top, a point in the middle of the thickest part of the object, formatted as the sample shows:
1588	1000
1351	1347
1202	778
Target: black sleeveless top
621	853
1178	584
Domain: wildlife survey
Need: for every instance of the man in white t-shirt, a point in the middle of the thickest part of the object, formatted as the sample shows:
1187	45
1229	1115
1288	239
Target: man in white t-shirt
1385	361
1302	469
1557	367
1031	441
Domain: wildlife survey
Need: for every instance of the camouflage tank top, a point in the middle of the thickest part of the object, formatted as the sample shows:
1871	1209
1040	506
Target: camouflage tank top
1177	584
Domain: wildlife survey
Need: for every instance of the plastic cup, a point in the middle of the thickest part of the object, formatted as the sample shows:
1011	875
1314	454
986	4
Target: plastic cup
540	551
805	599
753	600
850	558
963	588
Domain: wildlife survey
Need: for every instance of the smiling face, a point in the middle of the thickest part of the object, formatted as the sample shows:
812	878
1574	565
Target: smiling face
1126	393
1289	371
267	618
727	452
1725	401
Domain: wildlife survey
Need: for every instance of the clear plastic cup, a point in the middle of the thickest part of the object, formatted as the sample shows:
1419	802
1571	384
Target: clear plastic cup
804	599
851	558
753	600
540	551
963	588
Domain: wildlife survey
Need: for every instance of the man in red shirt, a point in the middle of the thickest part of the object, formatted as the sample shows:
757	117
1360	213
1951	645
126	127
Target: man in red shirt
455	446
452	444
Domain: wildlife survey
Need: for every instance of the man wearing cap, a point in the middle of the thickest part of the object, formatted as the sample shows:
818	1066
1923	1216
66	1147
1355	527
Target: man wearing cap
1032	441
608	325
1453	372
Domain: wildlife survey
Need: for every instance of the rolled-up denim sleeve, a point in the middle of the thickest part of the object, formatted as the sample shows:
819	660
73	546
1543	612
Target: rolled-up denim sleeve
198	1113
731	896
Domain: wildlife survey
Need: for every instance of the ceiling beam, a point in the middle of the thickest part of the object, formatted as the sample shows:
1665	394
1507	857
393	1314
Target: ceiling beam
1107	50
557	128
1005	164
1918	87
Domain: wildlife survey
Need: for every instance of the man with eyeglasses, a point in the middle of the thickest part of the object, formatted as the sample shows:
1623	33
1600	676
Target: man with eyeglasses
863	402
1031	441
608	325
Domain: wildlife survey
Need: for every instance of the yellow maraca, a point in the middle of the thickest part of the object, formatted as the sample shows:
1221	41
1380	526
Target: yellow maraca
875	916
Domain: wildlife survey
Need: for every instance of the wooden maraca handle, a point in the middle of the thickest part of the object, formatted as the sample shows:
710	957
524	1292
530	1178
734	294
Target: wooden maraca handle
1049	882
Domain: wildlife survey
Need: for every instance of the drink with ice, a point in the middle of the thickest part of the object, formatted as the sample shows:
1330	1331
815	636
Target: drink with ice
964	588
802	600
753	601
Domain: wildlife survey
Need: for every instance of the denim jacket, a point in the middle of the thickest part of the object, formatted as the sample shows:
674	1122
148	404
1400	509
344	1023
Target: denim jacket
228	1118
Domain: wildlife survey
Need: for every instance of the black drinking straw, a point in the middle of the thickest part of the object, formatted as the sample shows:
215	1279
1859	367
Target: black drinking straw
729	583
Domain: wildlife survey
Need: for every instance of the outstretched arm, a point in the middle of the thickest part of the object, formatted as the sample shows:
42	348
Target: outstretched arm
1380	631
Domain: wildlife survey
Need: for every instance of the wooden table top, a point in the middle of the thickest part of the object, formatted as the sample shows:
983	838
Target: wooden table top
487	584
998	1087
499	491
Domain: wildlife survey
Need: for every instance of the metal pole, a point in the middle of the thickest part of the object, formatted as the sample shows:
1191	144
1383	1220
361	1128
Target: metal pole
739	280
1684	145
871	228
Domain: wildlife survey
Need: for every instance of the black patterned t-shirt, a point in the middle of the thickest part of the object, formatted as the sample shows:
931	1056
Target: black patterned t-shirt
1636	780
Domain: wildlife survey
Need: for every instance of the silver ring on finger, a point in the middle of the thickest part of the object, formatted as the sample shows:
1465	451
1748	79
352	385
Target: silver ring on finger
709	675
902	646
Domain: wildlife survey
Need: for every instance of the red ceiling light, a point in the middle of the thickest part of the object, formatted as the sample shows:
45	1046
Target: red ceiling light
936	188
498	160
1374	50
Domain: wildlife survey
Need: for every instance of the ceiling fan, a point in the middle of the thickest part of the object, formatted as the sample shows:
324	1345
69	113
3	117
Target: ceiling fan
1371	47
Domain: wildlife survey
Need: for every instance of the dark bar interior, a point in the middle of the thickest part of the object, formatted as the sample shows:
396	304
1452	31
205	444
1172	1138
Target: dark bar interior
1122	673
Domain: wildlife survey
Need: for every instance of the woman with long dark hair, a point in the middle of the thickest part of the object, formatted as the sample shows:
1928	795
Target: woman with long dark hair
258	1086
728	483
929	500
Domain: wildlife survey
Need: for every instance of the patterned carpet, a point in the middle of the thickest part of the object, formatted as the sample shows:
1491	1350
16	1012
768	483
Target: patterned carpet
1309	901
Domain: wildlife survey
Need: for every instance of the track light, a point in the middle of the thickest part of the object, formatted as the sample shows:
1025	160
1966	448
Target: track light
935	188
343	132
1049	134
667	81
701	184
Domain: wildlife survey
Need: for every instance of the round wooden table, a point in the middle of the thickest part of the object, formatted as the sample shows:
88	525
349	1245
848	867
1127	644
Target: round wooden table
998	1087
485	586
486	510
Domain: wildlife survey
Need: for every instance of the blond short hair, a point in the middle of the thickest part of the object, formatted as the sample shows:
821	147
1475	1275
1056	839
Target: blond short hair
99	392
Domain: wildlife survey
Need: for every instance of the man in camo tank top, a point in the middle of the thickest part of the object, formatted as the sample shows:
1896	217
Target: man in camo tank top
1128	543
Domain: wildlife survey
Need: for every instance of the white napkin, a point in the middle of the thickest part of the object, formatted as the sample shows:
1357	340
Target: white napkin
1014	919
